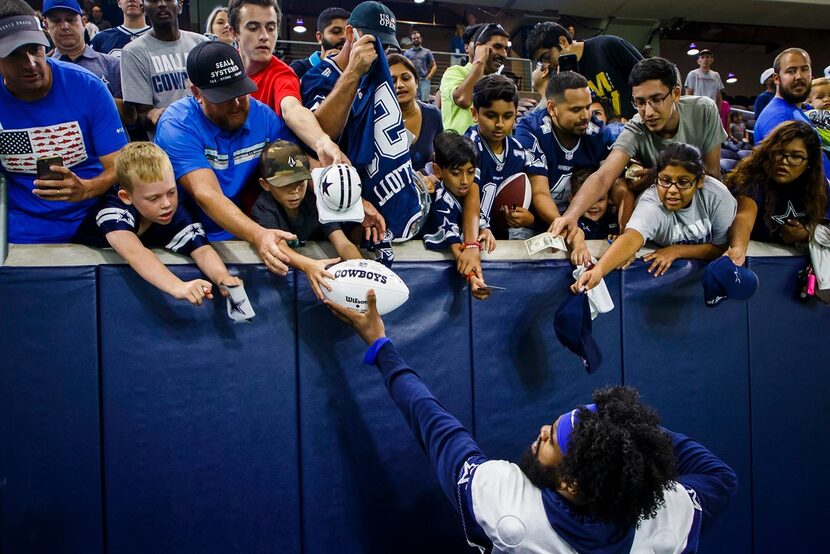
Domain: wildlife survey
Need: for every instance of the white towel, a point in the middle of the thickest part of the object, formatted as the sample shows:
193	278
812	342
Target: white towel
820	256
599	299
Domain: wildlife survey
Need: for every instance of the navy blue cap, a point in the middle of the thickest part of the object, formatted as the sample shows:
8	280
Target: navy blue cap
376	19
573	325
723	279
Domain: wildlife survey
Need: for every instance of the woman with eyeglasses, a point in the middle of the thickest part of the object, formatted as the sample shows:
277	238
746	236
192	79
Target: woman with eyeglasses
781	190
684	211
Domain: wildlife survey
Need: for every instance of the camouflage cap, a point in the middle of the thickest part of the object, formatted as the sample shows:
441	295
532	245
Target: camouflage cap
283	163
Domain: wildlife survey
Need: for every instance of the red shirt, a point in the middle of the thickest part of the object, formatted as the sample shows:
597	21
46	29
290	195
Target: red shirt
274	83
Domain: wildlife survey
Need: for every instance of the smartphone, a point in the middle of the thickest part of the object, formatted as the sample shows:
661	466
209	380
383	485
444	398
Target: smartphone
568	62
43	171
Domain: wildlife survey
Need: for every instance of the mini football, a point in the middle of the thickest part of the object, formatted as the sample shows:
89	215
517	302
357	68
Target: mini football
353	279
513	192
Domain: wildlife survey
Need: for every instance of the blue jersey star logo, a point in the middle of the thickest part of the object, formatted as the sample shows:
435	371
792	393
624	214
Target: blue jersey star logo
237	306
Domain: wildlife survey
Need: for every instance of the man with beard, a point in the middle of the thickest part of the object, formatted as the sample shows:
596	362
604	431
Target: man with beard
457	84
253	25
663	117
603	477
153	72
562	137
113	40
214	140
50	108
424	63
331	35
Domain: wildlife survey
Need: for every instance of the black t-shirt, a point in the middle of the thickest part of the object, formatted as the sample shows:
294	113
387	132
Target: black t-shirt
606	62
268	213
787	206
300	67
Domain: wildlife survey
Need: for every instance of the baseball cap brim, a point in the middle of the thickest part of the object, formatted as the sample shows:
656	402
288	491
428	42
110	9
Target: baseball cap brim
217	95
14	41
354	213
388	39
285	178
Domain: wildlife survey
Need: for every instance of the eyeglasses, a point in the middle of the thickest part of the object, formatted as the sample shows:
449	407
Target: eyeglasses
793	160
543	60
655	102
681	184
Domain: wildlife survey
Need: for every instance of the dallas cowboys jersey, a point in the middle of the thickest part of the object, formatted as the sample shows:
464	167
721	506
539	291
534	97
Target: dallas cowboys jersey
442	226
493	170
375	140
535	133
182	235
112	41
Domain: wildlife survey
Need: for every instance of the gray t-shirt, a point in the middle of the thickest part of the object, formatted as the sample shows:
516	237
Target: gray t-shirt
154	72
705	220
704	83
700	126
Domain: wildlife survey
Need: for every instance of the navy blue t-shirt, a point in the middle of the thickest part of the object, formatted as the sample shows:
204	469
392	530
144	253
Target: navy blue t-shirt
182	235
375	140
431	125
599	230
111	41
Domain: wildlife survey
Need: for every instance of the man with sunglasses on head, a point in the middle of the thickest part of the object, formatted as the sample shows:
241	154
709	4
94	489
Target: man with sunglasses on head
663	117
602	477
458	81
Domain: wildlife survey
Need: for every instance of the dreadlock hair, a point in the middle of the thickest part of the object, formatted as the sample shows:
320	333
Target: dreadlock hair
619	458
755	170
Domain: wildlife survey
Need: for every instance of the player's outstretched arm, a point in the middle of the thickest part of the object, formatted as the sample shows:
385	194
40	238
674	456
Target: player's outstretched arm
150	268
442	437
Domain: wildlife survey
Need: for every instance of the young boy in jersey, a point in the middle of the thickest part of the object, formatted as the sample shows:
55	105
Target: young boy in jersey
145	213
283	204
495	100
600	221
454	165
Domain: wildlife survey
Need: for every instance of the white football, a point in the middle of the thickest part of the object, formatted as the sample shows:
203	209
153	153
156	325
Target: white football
353	279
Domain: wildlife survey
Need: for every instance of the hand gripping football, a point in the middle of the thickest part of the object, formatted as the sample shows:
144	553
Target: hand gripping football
354	278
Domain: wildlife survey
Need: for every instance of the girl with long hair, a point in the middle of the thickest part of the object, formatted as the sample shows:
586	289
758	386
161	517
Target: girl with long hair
780	188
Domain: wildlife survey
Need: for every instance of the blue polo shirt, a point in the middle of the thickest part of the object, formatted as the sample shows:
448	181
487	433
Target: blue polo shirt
105	67
192	142
76	120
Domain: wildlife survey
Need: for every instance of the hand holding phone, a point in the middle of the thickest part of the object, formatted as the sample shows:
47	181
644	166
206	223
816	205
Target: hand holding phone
44	171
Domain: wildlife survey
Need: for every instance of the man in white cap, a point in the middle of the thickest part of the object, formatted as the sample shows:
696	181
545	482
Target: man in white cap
769	91
50	109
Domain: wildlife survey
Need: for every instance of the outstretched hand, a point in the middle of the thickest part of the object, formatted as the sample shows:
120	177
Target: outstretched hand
368	324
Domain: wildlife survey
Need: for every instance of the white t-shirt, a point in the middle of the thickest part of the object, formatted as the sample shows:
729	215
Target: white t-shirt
705	220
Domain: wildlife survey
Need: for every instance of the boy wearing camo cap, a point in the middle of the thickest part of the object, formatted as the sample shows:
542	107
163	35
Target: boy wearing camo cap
284	176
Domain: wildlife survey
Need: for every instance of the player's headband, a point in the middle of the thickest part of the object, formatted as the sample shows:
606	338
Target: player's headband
567	422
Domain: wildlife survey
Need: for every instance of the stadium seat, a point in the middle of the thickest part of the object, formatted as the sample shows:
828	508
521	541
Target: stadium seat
727	165
728	154
744	153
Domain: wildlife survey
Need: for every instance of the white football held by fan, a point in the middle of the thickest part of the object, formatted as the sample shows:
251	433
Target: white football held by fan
353	279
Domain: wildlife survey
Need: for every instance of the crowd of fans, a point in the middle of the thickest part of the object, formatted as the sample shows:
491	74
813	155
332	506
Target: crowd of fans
614	149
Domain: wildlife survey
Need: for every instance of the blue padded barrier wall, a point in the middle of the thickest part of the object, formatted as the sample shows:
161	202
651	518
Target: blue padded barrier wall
690	362
523	376
274	437
367	487
790	391
200	418
50	470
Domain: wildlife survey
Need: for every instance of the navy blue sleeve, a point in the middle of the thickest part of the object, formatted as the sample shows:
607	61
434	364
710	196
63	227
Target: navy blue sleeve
441	436
714	482
450	446
316	84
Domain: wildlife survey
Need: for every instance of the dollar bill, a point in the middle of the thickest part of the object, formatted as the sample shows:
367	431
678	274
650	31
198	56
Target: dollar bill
542	241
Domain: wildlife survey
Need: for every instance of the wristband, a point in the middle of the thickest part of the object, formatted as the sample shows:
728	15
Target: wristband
467	245
470	275
372	353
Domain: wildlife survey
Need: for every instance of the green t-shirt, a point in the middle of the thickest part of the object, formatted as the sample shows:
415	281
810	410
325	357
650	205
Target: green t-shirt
453	116
700	125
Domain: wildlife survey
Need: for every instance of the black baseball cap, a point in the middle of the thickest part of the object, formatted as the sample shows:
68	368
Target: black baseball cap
216	69
376	19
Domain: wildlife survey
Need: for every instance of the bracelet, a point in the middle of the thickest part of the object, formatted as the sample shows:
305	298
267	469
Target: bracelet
470	275
467	245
